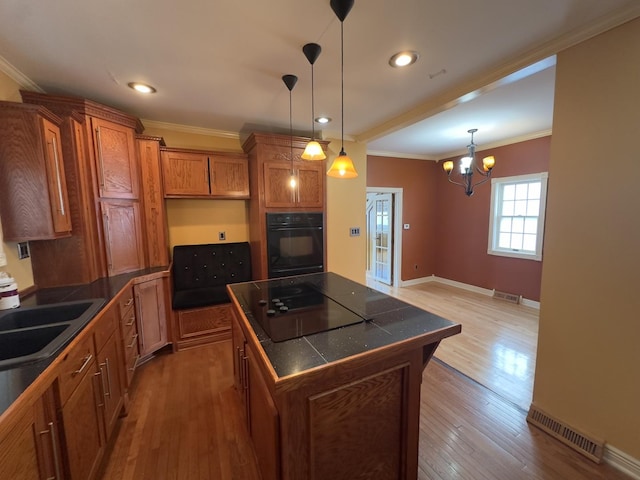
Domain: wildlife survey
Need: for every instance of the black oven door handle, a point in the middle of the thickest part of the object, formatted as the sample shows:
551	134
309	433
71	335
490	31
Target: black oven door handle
288	229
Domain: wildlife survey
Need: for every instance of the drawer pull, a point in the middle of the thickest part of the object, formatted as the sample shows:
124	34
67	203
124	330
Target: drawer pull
133	341
54	448
86	362
129	302
132	320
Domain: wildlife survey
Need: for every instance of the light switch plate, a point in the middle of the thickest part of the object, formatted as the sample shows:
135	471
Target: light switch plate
354	232
222	236
406	226
23	250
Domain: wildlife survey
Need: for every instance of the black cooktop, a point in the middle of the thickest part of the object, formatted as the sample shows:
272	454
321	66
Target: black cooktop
291	311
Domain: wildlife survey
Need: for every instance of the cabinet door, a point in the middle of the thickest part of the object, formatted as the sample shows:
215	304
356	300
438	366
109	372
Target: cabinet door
110	368
157	243
55	174
18	457
121	223
277	190
229	176
185	174
83	430
240	370
47	437
311	177
264	423
115	154
151	314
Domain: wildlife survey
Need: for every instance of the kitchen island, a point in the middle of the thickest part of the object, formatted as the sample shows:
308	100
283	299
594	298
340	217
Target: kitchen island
329	372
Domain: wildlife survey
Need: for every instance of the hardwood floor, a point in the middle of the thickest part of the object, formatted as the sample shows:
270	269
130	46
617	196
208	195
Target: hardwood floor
184	423
498	343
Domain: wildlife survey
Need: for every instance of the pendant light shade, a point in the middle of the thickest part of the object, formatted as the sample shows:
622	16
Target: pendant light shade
290	81
313	150
342	166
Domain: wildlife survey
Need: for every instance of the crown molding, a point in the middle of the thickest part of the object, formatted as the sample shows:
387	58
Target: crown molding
410	156
176	127
17	76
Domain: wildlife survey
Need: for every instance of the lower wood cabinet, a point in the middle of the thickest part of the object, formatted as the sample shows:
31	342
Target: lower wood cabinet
198	326
151	315
31	449
83	424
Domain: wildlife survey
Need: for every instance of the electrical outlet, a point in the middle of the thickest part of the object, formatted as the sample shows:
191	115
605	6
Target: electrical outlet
406	226
23	250
354	231
222	236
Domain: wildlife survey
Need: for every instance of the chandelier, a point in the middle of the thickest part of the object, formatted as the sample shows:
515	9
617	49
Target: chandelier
467	168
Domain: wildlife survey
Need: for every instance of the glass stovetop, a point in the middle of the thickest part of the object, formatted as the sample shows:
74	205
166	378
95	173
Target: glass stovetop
290	311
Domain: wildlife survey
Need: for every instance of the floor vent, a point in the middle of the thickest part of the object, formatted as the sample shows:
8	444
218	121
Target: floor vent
590	448
508	297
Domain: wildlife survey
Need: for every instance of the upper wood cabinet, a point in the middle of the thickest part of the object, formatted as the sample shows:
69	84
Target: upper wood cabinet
200	174
152	192
308	191
101	165
114	150
33	190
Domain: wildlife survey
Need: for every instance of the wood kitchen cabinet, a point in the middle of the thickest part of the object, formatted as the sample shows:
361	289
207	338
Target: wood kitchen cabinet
33	191
201	174
122	236
32	448
98	143
152	193
151	315
270	169
308	192
115	157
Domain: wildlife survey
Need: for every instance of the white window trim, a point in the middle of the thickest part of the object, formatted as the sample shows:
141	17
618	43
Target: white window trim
543	177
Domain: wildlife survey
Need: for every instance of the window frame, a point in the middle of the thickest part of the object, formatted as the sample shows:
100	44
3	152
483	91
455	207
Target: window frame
497	189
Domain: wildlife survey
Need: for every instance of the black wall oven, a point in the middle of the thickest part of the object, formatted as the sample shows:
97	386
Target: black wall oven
295	243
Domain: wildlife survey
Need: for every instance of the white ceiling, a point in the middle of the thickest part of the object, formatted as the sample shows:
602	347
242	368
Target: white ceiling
217	64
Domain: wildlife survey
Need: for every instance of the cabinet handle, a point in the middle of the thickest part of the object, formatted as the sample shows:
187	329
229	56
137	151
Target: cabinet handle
132	319
100	161
107	243
107	367
134	363
129	302
86	362
245	367
141	322
54	447
104	387
133	341
54	145
101	405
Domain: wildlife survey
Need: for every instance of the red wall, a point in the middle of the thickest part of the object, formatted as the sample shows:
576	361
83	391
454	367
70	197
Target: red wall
417	178
449	231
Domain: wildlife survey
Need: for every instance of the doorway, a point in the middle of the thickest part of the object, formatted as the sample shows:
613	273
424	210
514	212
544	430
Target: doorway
384	235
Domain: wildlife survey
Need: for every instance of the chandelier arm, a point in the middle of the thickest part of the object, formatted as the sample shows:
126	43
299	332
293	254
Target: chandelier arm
456	183
482	181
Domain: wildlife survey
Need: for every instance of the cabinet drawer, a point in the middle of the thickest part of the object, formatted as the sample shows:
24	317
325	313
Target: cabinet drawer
125	301
74	366
104	327
128	318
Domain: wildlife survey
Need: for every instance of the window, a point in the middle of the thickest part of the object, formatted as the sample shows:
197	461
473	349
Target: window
516	222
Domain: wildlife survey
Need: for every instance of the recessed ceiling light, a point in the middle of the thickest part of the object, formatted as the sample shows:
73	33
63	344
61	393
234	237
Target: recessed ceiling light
403	59
142	87
322	120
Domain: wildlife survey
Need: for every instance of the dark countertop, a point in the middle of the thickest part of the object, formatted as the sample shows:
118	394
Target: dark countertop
385	320
14	381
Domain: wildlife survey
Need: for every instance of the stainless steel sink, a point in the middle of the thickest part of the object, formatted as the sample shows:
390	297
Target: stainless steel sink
30	334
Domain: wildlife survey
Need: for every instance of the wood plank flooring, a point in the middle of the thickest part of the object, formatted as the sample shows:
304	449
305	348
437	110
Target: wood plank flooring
184	423
498	343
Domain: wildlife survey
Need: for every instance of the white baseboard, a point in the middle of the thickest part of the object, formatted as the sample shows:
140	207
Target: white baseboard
621	461
464	286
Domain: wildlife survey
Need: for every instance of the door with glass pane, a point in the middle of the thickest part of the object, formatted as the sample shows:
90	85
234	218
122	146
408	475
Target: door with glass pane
381	238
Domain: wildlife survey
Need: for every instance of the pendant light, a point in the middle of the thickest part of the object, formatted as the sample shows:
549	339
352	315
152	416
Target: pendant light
313	150
290	81
342	166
